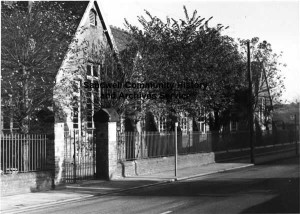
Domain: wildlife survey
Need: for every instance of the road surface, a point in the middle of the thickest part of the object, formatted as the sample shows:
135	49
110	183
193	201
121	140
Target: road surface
268	188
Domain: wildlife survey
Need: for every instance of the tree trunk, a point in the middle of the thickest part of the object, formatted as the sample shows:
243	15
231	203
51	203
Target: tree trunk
25	121
25	125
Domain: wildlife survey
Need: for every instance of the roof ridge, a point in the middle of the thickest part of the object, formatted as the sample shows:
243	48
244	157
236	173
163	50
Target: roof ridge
119	28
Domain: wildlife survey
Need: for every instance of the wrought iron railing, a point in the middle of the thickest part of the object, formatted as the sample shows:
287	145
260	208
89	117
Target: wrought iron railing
134	145
80	151
23	153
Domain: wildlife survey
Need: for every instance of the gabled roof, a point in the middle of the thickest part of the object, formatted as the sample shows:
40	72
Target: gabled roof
82	9
79	9
120	36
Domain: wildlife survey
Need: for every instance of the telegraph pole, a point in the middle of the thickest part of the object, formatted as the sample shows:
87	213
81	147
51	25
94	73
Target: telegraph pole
250	104
296	140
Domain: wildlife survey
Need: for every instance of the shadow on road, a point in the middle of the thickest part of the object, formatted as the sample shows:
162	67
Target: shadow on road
278	204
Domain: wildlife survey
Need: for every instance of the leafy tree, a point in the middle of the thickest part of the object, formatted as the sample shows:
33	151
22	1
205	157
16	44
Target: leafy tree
150	124
188	50
34	40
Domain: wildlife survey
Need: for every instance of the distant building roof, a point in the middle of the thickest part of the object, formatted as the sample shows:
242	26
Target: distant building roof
121	37
284	112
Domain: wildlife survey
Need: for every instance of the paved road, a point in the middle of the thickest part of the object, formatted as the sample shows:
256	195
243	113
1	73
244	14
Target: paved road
269	188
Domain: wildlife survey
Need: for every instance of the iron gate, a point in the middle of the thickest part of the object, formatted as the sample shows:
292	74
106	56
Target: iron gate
80	155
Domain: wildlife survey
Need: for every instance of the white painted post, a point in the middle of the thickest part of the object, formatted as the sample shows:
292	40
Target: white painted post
112	149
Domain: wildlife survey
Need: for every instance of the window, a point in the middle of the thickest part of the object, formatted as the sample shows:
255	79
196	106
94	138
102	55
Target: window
92	94
88	70
183	124
75	112
76	105
202	127
8	119
89	107
95	70
92	16
233	126
162	124
5	122
15	124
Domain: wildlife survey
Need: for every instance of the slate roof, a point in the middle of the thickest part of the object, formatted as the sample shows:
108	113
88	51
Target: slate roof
121	37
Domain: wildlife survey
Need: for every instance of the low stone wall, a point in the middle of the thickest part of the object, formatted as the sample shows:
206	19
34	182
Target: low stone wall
18	183
155	165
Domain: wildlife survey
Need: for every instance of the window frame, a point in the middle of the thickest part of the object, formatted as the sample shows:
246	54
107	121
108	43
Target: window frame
76	95
184	124
93	92
8	122
233	126
162	124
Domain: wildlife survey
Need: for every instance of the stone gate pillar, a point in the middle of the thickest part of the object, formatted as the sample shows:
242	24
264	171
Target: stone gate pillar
59	154
106	143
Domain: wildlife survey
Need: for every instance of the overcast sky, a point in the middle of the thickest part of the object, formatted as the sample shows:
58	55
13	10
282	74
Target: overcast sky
274	21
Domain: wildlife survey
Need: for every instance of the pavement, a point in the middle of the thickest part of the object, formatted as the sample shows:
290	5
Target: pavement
88	189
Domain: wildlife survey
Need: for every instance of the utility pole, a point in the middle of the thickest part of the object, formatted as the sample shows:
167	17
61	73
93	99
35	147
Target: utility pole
293	118
296	140
298	137
175	156
250	106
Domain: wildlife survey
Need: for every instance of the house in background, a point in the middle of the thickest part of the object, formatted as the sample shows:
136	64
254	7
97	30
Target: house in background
262	106
286	116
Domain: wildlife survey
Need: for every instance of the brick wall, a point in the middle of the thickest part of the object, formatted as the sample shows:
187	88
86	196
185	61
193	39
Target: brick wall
12	184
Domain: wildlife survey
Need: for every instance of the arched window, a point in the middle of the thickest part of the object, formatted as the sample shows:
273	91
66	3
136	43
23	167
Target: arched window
93	20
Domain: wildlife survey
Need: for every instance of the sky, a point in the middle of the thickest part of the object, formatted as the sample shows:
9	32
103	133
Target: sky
274	21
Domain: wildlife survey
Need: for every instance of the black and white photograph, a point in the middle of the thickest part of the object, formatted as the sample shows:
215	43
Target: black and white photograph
150	106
